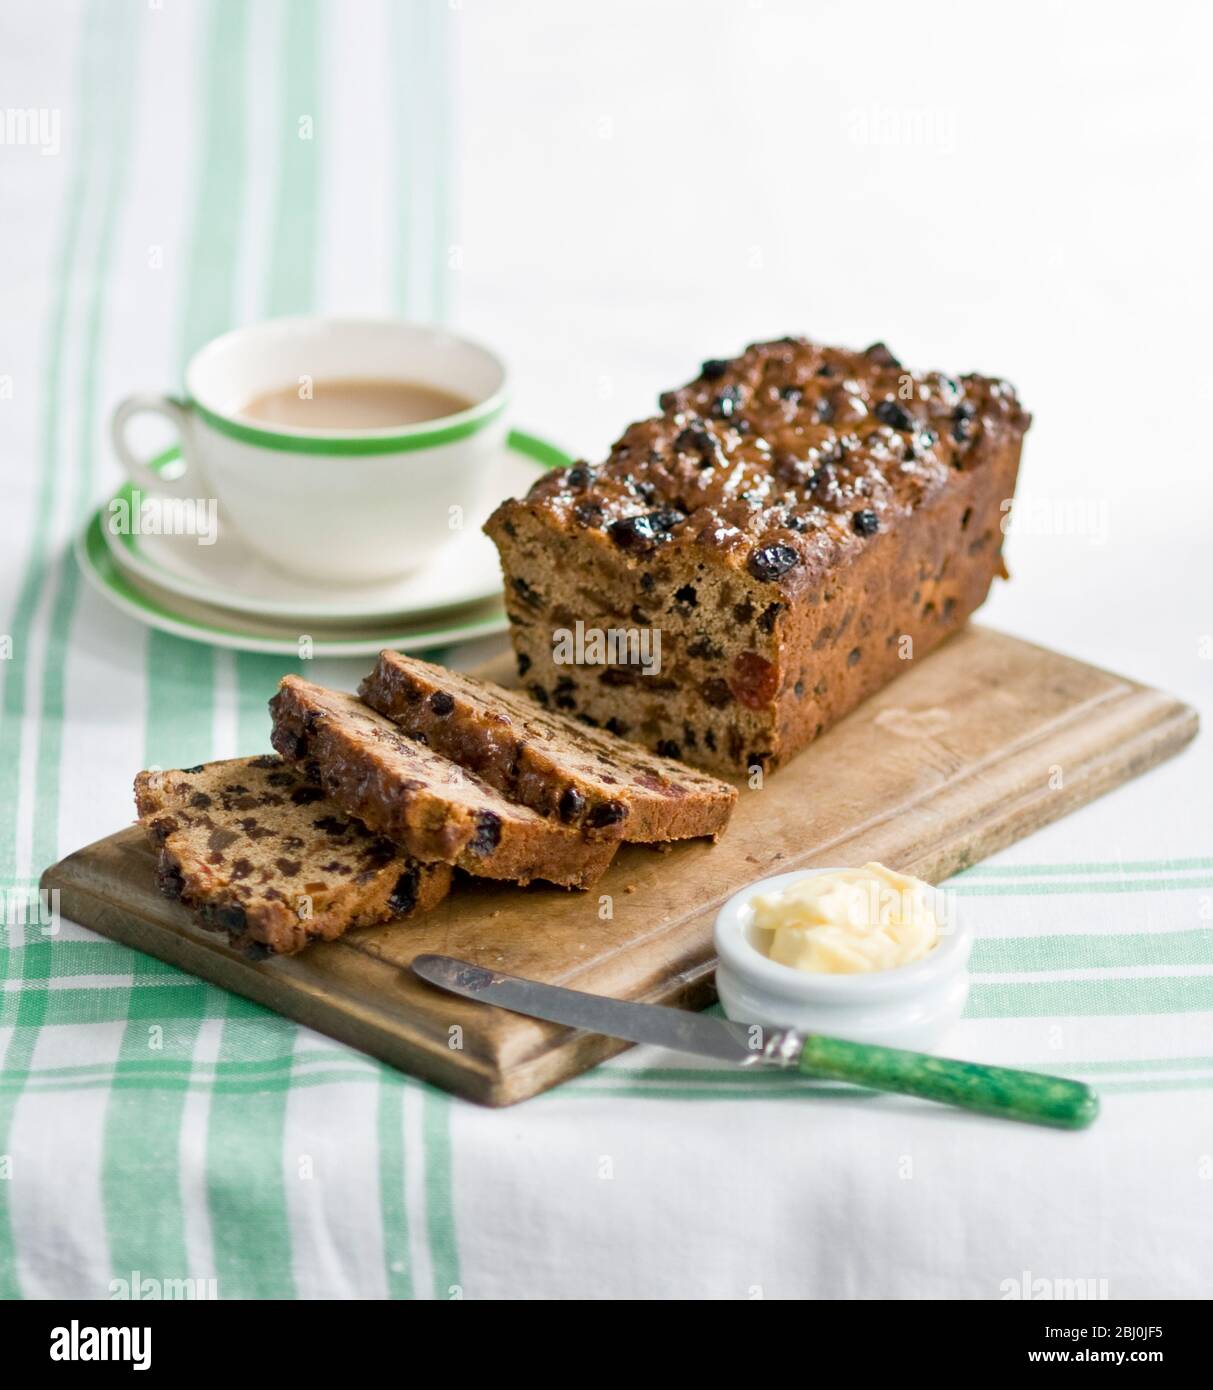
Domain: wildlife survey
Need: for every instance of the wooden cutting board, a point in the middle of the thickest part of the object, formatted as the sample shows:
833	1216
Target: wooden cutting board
980	744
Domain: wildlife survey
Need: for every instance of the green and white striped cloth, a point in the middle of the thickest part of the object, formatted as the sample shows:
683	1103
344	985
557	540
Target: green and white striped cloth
218	162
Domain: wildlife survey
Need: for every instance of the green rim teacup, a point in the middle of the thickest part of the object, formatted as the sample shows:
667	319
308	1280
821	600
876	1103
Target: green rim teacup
350	506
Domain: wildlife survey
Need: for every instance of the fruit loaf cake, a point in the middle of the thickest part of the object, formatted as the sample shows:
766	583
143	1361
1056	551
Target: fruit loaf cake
799	524
579	776
260	853
420	800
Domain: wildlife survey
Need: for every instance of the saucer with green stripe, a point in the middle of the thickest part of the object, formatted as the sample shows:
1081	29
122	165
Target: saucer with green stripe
219	627
220	571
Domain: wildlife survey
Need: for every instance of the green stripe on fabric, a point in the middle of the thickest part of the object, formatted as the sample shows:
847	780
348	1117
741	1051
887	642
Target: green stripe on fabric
1158	994
218	225
1105	1067
245	1178
152	1066
393	1210
73	1007
296	224
439	1194
148	1235
422	42
257	678
1062	887
240	1261
1082	951
181	685
1193	1083
70	958
1089	867
178	731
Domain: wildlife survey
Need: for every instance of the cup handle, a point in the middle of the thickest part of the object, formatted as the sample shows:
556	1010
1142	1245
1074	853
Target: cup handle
148	403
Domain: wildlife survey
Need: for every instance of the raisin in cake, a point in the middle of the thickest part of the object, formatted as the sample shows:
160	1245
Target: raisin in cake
420	800
582	777
800	523
259	852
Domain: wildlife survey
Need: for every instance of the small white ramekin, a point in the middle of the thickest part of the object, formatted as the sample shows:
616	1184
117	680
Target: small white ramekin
910	1006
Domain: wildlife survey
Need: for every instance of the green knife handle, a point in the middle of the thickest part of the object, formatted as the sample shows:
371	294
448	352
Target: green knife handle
1011	1095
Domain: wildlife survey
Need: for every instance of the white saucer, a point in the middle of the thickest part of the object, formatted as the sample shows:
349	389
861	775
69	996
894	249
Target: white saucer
219	627
227	575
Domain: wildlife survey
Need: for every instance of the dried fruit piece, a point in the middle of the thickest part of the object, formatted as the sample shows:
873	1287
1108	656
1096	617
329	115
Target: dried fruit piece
880	356
894	415
580	477
645	532
715	691
753	680
768	562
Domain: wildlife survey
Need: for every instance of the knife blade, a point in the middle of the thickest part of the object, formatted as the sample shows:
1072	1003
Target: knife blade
595	1013
1002	1092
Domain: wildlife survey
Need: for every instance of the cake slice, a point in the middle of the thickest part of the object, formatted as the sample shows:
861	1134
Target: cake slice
580	776
258	851
421	800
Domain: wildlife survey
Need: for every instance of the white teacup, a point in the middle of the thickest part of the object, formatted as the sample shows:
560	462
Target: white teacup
335	506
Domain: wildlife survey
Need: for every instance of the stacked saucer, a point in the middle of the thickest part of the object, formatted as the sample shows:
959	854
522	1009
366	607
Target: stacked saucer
224	594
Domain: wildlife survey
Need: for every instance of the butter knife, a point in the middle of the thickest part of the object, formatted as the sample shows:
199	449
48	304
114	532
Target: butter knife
998	1091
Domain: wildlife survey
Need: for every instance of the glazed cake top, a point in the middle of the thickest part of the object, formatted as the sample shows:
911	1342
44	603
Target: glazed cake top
785	459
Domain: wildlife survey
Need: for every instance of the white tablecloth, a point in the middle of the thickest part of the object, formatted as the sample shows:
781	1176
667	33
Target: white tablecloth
610	194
